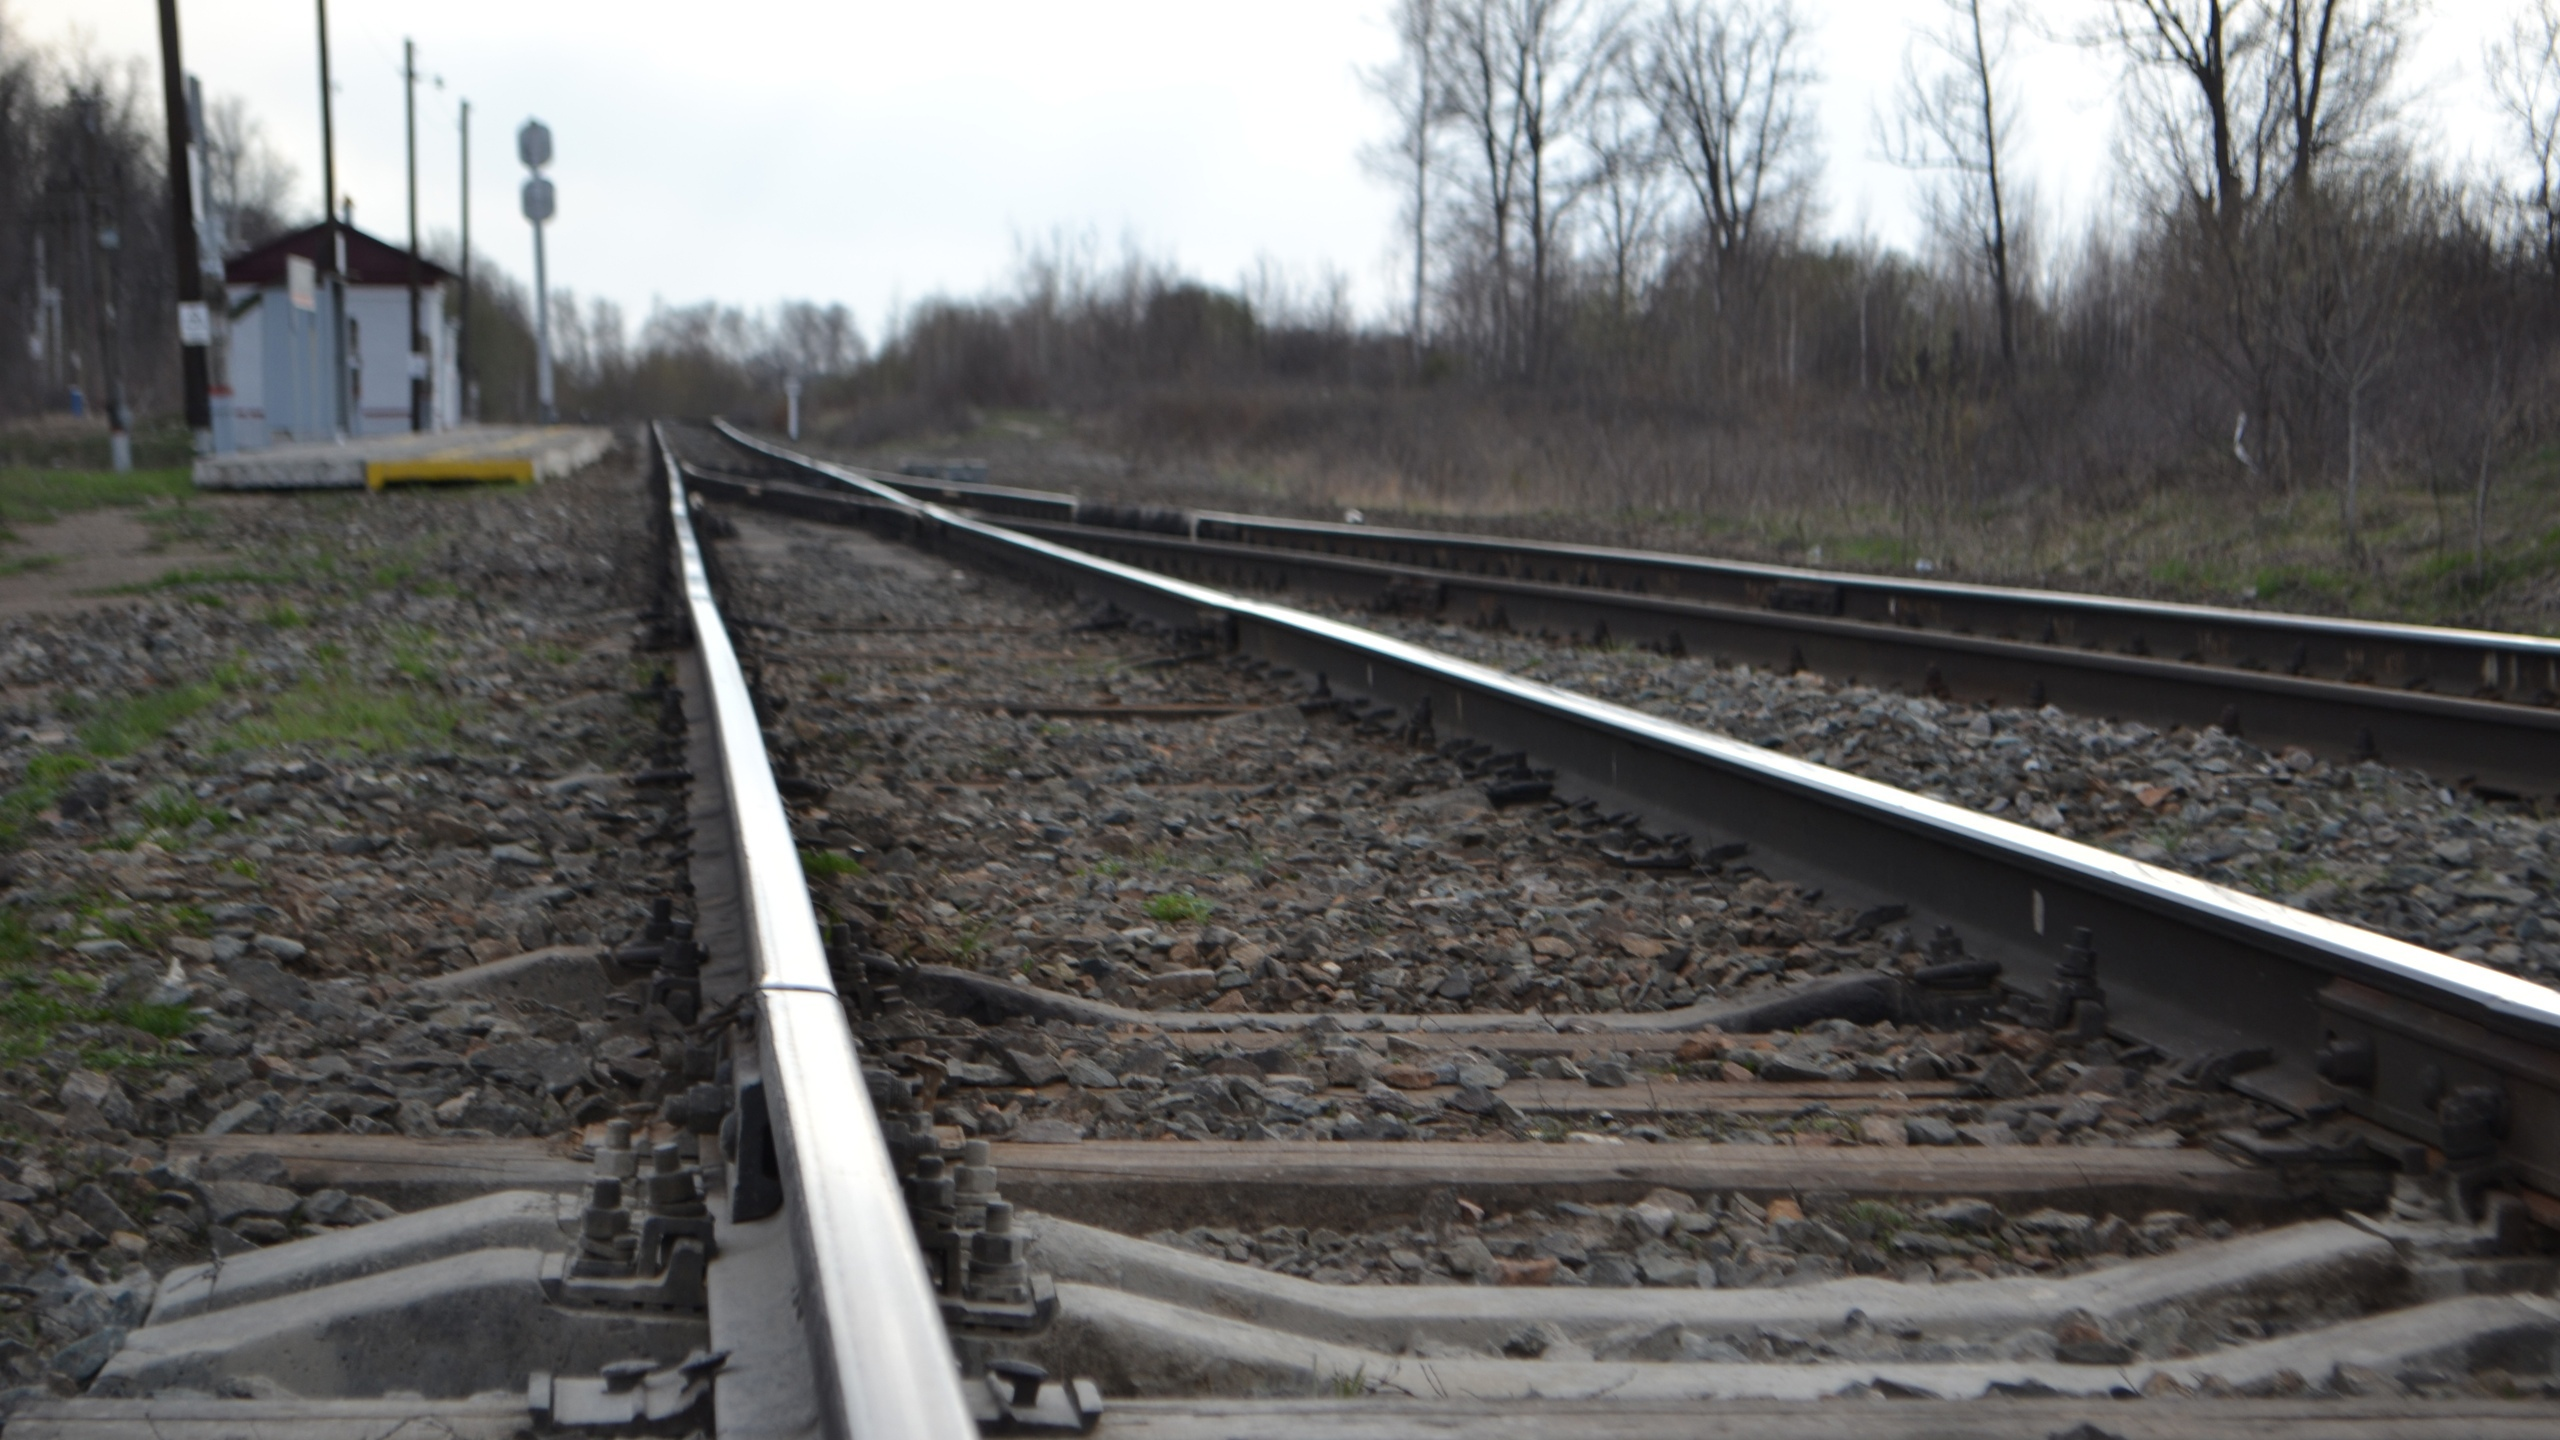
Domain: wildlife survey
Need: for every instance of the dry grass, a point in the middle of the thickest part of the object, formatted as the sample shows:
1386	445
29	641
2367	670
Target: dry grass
2207	539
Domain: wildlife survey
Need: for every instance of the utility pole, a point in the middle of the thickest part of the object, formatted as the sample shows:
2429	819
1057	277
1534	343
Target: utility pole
464	404
195	323
418	378
333	241
533	147
104	273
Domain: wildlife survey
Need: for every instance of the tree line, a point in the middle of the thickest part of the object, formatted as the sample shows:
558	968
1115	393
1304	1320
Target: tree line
1620	290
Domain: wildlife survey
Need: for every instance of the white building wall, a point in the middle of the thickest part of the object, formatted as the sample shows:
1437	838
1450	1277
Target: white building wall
279	365
381	315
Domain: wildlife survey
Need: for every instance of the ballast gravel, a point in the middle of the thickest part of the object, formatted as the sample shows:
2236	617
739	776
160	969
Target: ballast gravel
2390	849
966	798
247	810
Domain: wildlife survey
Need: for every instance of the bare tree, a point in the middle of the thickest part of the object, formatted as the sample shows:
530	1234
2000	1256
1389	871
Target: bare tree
1409	88
247	185
1955	120
2347	305
2208	47
2524	73
1728	86
812	340
1521	76
2334	63
1625	191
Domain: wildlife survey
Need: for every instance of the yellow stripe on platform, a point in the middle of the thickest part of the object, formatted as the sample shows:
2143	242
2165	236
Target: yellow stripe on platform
378	473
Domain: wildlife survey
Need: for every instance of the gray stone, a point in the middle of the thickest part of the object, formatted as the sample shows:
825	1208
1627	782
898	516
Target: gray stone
2004	1078
81	1360
1564	1245
1610	1270
91	1101
1081	1071
265	982
100	1209
226	1201
1607	1074
1468	1255
249	1117
1929	1130
1035	1068
282	948
1791	1069
554	1066
1980	1216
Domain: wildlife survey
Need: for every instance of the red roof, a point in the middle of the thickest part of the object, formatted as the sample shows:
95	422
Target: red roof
369	261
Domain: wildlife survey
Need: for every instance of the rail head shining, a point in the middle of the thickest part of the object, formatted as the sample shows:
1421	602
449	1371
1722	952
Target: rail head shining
2346	949
883	1360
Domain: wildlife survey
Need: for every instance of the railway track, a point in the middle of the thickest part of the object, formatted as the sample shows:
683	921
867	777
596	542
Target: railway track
1197	1017
2472	707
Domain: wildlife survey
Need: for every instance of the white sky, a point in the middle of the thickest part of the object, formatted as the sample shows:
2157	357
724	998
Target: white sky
877	153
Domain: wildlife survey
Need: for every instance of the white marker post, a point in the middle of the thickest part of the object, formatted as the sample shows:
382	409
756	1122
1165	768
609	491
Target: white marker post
791	395
533	147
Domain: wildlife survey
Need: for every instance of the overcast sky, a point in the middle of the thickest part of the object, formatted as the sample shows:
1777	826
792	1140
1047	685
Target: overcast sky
874	154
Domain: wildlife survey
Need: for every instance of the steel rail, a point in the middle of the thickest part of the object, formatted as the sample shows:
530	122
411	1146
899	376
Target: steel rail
2483	664
2498	748
885	1369
2189	966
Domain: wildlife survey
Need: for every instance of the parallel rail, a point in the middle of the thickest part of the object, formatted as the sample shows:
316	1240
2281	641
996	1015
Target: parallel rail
880	1362
2468	706
2428	1049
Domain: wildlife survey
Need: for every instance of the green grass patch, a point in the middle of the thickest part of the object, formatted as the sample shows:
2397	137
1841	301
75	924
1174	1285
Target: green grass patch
194	578
341	714
1178	907
166	807
123	726
34	1007
818	864
28	564
168	1022
281	616
36	496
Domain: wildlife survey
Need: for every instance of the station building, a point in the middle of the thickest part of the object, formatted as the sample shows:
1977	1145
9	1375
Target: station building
273	373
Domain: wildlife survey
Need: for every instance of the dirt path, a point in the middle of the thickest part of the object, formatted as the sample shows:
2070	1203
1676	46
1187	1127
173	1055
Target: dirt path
77	562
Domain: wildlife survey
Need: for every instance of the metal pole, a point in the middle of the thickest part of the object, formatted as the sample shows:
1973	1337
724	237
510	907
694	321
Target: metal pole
418	379
542	332
105	242
195	325
332	243
462	344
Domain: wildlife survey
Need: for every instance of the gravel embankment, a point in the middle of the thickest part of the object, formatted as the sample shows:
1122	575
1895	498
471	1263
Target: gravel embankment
247	810
2390	849
1272	860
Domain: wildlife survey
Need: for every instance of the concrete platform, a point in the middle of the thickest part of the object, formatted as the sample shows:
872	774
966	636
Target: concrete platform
522	454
